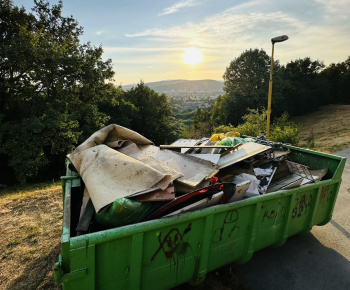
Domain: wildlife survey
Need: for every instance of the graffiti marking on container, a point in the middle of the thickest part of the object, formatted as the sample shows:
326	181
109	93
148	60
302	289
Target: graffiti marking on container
325	195
272	213
173	245
230	222
301	205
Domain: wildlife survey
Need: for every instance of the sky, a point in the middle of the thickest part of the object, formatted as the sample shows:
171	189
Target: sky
157	40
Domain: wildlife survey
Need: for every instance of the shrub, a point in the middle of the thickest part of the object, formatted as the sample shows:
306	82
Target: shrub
282	130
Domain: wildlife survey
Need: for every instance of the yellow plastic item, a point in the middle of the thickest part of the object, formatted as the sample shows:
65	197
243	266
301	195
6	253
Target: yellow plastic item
217	137
233	134
221	136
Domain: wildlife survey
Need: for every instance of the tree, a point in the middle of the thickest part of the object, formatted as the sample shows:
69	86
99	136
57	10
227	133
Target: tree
51	87
246	82
218	115
203	125
344	82
153	115
305	93
336	78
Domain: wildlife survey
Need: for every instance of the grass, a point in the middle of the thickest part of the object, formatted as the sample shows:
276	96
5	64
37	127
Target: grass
30	223
326	130
31	216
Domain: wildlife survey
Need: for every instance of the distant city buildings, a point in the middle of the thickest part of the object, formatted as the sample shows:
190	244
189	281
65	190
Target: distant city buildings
188	95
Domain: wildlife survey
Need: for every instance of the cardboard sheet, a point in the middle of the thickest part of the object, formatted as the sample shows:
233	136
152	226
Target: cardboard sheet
193	169
246	150
113	136
109	175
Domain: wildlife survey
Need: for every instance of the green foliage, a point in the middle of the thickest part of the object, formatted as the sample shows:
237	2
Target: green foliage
51	87
246	82
224	129
282	130
254	123
153	115
288	134
55	92
305	92
310	140
218	113
336	82
202	125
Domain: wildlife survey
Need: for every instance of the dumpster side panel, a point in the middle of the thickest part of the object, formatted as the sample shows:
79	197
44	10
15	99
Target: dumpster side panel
326	201
171	254
112	260
273	222
232	234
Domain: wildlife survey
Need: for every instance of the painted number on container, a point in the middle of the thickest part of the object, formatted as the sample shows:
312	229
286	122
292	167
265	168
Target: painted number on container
301	205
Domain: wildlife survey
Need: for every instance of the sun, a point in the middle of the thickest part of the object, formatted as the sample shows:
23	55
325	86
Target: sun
192	56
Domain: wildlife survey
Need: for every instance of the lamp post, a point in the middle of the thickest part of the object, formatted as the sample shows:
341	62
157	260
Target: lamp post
273	41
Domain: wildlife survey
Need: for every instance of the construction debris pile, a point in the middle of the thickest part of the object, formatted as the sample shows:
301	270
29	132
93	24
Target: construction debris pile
129	180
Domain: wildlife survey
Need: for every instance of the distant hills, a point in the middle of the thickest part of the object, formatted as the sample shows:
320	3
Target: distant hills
183	85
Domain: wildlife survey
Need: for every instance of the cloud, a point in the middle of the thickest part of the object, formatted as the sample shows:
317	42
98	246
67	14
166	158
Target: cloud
336	10
316	28
176	7
224	26
99	32
140	49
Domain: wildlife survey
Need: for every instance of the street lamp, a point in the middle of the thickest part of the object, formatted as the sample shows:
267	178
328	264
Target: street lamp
273	41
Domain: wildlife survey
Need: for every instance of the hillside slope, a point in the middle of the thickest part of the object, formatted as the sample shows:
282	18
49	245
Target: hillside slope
183	85
326	130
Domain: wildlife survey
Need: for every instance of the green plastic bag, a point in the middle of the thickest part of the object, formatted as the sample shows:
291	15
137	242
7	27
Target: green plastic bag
233	141
122	212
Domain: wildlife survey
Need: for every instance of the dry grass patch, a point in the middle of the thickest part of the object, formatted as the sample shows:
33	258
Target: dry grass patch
326	130
30	223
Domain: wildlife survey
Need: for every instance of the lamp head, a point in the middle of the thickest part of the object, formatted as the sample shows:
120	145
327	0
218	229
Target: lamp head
279	38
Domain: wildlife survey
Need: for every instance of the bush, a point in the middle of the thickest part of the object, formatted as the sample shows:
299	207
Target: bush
224	129
254	123
282	130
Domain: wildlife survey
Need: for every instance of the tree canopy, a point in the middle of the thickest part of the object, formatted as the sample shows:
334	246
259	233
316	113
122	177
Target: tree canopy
56	91
246	82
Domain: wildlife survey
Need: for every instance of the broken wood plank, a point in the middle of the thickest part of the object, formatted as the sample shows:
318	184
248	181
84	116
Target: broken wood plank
179	147
85	219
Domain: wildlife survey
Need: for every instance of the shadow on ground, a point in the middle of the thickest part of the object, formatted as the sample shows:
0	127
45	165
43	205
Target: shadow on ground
302	263
39	273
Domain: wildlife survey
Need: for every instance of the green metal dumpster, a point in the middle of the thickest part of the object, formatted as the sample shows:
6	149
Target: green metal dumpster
163	253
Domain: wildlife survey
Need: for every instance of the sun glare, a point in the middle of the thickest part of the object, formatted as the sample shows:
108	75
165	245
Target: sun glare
192	56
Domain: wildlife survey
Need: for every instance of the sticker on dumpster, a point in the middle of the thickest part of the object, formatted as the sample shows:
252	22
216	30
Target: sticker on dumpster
229	226
326	195
173	246
301	205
